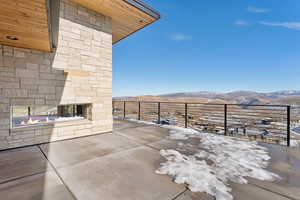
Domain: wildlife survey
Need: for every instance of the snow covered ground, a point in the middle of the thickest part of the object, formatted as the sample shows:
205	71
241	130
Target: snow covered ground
214	162
293	143
296	130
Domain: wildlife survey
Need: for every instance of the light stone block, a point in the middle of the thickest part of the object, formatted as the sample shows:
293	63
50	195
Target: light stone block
31	77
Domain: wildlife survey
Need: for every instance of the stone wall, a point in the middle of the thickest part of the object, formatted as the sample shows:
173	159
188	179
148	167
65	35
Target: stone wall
78	71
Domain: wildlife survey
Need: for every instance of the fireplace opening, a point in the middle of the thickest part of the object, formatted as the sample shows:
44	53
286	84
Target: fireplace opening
37	115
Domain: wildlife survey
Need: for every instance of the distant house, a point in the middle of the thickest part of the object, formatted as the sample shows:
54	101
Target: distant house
266	121
56	66
189	116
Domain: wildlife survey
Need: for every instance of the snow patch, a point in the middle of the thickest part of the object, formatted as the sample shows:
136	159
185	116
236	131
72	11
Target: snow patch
293	143
178	133
219	160
199	176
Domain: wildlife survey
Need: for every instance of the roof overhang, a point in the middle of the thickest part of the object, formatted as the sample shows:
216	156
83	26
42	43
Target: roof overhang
128	16
29	24
34	24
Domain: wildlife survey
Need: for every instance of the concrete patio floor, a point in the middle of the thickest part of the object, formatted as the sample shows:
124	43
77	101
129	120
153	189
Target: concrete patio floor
122	165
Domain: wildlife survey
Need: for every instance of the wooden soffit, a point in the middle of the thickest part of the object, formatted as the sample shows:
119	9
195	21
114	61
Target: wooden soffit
34	24
128	16
28	23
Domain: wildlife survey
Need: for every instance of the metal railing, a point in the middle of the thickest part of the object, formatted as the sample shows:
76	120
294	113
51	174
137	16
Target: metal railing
267	123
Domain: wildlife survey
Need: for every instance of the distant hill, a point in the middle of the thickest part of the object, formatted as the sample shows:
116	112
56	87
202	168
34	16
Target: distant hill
247	97
291	97
172	99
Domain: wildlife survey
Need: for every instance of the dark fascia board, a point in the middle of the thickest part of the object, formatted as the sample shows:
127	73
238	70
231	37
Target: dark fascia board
53	7
144	7
132	33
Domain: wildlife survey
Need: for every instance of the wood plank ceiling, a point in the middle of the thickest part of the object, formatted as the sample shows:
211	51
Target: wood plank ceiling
24	23
126	19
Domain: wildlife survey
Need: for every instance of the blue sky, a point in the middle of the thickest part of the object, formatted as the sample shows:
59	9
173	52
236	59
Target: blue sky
212	45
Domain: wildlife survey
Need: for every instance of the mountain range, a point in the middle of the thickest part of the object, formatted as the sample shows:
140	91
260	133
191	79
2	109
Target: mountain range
247	97
286	97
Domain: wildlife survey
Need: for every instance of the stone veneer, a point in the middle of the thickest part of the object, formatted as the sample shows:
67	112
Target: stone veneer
30	77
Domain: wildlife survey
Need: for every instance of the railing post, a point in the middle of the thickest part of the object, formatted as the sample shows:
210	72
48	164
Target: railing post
186	115
74	108
29	111
225	119
139	115
124	110
158	113
288	125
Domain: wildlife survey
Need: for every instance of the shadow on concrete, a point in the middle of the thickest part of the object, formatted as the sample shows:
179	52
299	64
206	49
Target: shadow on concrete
25	173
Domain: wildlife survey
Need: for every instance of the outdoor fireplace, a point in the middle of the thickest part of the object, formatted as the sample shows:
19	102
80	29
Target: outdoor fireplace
23	116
